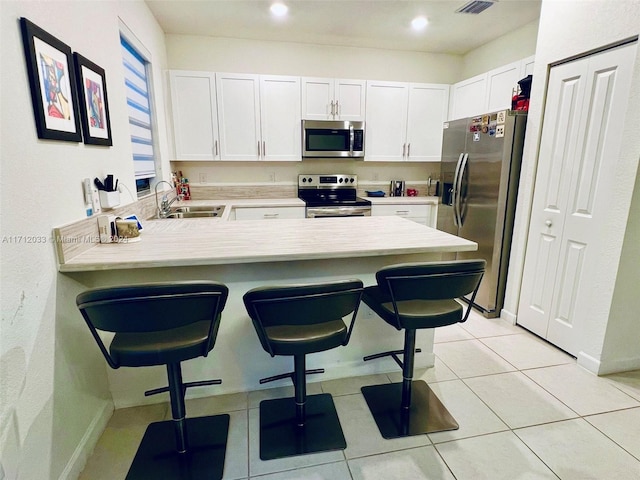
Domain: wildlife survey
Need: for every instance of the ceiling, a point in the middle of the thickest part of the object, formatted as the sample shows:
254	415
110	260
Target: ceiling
374	23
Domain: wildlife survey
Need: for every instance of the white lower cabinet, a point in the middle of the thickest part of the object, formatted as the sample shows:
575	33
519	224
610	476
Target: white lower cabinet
268	213
419	213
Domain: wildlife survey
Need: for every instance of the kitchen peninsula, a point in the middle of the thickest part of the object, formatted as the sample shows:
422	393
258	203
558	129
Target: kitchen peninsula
247	254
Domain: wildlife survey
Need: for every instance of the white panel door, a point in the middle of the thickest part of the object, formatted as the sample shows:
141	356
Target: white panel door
238	98
586	100
280	119
500	84
195	123
385	137
350	100
427	111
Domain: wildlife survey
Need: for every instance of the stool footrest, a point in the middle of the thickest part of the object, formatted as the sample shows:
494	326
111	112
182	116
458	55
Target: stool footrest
391	353
201	383
289	375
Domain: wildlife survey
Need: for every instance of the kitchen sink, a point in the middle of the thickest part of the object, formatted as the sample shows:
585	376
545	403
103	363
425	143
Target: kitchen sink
200	208
196	211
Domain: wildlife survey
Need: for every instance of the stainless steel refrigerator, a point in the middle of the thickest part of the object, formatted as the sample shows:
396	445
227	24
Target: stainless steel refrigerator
480	170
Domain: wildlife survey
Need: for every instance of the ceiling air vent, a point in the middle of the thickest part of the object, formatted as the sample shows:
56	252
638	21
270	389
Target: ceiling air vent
474	7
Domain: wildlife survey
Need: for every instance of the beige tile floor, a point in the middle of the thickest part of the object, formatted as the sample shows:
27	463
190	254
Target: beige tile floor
525	410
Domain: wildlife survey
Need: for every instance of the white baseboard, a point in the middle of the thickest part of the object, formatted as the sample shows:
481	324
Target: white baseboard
508	316
89	440
616	366
589	363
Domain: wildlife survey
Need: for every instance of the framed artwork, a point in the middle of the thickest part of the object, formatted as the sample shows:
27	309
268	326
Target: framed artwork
93	103
53	89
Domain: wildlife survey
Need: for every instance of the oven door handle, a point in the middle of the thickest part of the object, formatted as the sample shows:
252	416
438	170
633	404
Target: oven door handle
318	212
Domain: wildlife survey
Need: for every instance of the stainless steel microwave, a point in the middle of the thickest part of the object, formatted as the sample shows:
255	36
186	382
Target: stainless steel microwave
327	138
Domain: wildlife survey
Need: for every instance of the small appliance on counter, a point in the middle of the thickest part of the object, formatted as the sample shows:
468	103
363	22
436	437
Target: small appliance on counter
396	188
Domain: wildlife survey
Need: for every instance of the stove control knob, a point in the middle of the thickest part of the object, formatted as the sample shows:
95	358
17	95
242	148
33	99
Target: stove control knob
304	180
340	180
351	180
310	180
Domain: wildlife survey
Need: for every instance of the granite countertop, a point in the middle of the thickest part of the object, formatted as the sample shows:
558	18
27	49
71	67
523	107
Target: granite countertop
207	241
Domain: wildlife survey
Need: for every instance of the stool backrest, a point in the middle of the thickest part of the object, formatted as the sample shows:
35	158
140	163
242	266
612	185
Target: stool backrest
303	304
152	307
431	280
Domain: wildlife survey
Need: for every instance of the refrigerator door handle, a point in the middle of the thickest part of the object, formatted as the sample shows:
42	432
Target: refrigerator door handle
454	193
458	206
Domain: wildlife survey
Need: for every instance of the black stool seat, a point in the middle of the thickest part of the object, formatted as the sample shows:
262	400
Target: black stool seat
410	297
297	320
165	324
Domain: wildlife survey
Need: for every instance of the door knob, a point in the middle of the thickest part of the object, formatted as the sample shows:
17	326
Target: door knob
548	223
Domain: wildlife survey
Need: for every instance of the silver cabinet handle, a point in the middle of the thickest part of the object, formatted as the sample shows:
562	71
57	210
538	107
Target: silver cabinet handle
404	150
548	223
408	150
258	149
271	215
333	112
264	149
402	212
337	109
215	148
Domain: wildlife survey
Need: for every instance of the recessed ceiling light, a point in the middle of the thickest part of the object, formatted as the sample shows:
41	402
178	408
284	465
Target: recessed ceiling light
279	9
419	23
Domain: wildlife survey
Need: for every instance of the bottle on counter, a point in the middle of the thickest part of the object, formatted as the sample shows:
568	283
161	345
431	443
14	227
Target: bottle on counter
185	191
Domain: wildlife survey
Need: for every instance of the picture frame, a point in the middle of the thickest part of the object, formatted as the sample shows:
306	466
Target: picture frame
93	101
52	84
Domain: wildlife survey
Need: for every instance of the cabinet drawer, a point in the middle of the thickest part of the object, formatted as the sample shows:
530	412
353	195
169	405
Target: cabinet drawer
269	213
420	211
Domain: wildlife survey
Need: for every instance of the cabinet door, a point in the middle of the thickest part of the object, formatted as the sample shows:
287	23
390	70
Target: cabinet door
526	66
269	213
500	84
469	97
580	142
317	98
280	119
386	123
350	100
427	111
238	98
195	123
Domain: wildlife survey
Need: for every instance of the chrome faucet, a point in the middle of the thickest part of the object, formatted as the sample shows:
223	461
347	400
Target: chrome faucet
164	208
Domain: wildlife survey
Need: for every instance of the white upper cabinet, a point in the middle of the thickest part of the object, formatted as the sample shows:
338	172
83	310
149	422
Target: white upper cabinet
468	97
404	121
500	84
333	99
489	91
259	117
195	123
239	116
280	121
428	108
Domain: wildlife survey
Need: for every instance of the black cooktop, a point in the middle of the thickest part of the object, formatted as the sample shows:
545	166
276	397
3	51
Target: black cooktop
326	202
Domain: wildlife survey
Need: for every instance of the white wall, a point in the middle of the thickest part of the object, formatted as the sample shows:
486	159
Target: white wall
186	52
54	395
513	46
568	29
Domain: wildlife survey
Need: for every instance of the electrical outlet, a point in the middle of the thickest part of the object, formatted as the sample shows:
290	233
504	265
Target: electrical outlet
202	178
272	177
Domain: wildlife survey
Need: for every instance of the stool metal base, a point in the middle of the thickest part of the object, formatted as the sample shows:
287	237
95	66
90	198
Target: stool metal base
157	456
427	414
281	437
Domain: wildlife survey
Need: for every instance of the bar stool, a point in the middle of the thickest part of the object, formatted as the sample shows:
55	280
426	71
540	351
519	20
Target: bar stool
409	297
296	320
165	324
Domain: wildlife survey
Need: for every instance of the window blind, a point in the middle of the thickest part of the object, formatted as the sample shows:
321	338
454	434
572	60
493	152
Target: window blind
139	106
